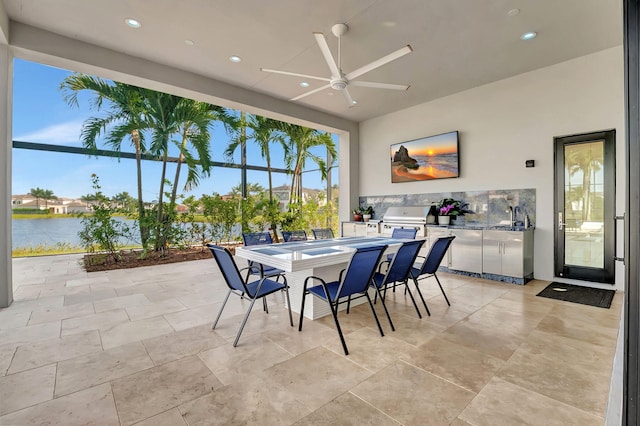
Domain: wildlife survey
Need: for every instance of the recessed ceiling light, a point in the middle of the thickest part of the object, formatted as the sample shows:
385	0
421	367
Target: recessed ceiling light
389	24
529	36
189	42
513	12
354	102
235	58
133	23
304	84
329	93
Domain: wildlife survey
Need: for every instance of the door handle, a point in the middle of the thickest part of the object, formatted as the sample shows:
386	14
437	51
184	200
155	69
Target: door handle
561	224
615	233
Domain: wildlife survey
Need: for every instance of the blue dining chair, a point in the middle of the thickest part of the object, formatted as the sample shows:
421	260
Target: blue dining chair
430	266
255	268
253	290
322	234
404	233
354	280
399	271
300	235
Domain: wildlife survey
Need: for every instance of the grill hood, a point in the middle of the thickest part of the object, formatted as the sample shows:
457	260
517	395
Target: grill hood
406	214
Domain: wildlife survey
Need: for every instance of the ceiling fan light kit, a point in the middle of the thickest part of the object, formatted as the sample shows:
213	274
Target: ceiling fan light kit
339	80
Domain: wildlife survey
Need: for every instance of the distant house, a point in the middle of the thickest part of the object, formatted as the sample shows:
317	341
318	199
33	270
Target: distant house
58	206
282	193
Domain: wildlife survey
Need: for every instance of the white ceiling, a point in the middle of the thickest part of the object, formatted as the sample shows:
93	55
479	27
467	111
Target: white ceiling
458	44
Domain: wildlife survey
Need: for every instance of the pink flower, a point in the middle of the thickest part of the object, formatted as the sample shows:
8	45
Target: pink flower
444	211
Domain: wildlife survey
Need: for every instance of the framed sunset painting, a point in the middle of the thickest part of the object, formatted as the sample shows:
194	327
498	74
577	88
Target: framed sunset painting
432	157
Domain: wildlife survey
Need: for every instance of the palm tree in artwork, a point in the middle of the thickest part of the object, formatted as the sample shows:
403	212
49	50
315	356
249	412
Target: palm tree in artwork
124	119
300	141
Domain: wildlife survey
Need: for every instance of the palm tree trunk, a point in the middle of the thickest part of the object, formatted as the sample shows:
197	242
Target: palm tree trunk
174	192
586	194
144	230
160	239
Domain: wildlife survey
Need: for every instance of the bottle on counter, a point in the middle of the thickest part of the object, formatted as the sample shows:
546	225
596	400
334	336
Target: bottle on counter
526	221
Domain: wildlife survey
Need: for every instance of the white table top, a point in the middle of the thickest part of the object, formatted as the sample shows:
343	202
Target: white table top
304	255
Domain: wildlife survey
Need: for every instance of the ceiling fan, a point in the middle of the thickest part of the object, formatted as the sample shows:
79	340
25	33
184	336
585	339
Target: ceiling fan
339	80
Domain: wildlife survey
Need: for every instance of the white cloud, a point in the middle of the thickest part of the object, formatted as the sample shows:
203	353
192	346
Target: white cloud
62	133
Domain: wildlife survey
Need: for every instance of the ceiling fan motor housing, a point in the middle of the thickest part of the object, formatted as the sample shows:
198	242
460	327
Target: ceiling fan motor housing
338	84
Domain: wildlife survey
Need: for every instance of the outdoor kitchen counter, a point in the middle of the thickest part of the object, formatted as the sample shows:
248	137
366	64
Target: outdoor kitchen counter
480	227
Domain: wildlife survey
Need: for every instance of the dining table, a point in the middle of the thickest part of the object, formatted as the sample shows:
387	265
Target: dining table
321	258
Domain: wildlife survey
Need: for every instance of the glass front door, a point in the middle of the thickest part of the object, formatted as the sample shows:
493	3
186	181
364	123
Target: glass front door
585	206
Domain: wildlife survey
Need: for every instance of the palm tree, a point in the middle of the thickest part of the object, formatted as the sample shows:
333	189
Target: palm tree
126	106
47	194
122	199
587	161
263	132
170	115
194	119
40	194
300	140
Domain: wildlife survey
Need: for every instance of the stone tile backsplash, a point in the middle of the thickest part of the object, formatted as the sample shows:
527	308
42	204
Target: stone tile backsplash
490	207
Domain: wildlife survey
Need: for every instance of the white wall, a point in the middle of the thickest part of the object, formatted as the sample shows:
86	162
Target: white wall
501	125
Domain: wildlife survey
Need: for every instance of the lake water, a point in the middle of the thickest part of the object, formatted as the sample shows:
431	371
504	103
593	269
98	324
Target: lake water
50	231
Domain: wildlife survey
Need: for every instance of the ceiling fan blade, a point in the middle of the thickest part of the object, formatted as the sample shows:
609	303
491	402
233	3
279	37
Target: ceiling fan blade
378	85
311	92
348	98
295	74
380	62
324	47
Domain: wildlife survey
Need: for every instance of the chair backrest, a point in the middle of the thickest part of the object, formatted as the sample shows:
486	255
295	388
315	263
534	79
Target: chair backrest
256	238
360	270
408	233
402	261
322	234
436	254
228	268
294	235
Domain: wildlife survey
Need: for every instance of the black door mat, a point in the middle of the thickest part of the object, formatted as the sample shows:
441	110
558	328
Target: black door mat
578	294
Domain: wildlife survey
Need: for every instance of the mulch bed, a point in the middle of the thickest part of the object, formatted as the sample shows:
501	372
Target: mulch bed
132	258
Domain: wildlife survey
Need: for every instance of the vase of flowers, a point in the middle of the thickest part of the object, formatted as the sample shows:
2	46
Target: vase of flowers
450	209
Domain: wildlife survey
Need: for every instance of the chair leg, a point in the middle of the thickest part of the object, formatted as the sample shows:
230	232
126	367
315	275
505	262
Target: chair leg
244	321
221	309
286	292
442	290
264	305
348	303
304	295
415	281
384	305
374	313
334	312
413	300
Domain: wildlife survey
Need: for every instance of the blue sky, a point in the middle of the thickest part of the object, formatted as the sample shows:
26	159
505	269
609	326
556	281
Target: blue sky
41	115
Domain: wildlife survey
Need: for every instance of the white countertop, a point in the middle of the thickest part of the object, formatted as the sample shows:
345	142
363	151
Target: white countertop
304	255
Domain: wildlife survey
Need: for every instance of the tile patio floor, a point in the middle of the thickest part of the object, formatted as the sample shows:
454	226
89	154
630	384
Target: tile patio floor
135	347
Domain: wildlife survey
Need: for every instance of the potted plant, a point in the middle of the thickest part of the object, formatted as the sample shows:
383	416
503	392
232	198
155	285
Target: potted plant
450	209
367	213
357	215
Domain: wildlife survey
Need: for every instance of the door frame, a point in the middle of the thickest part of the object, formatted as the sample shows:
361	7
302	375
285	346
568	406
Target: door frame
606	274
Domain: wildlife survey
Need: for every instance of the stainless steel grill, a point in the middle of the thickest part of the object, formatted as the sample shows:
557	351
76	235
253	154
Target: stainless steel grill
405	217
